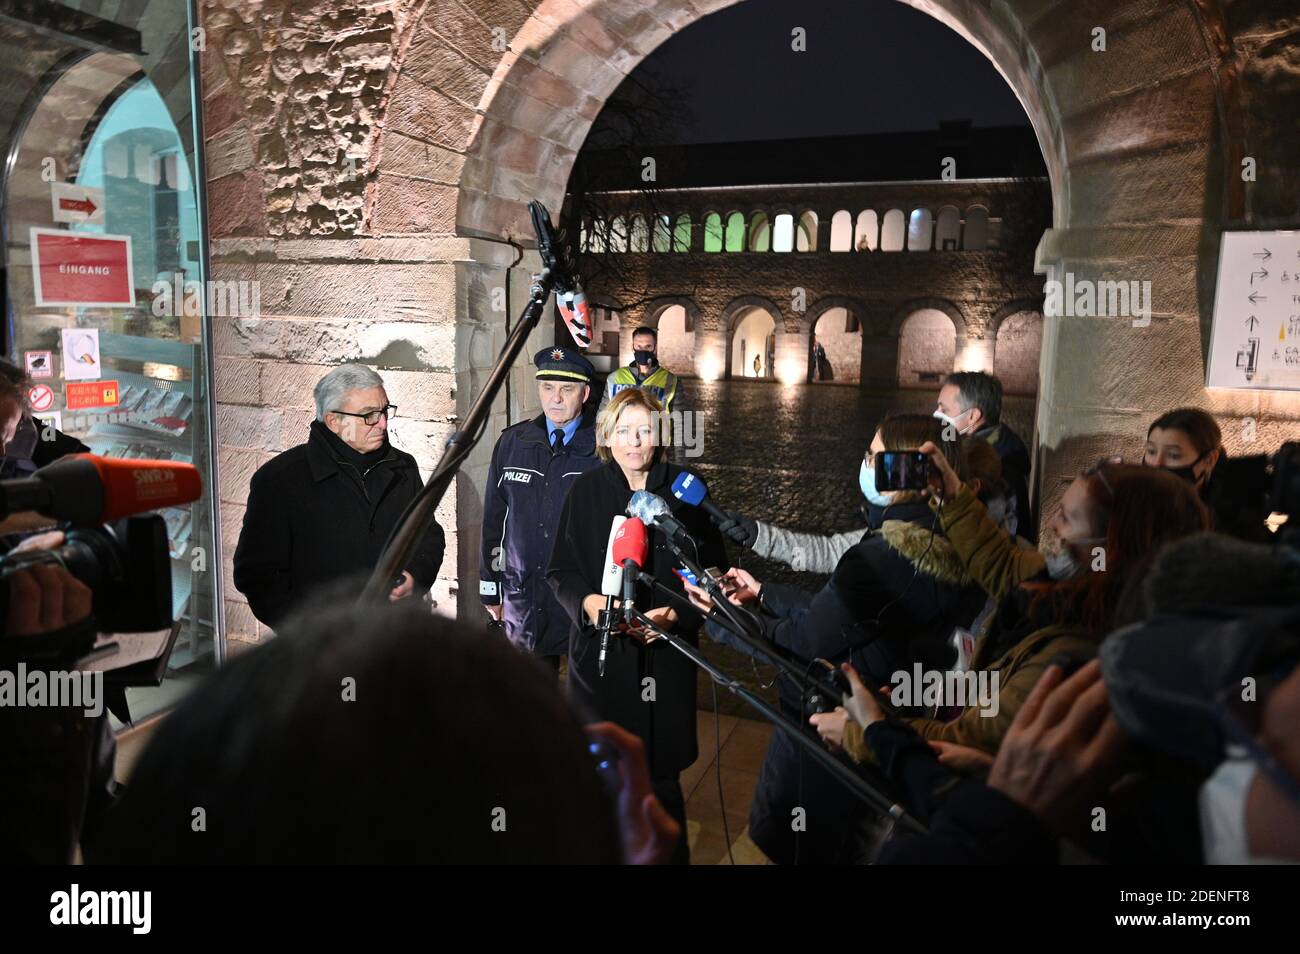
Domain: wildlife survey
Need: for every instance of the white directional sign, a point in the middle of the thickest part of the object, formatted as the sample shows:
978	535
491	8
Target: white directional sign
1255	342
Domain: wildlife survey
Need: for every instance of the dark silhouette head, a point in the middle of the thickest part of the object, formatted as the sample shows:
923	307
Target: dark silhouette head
374	735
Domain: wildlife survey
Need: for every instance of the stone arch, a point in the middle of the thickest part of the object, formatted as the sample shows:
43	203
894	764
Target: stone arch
713	224
520	139
676	336
893	231
902	312
737	305
920	230
657	306
1032	303
558	43
857	311
1017	338
733	316
947	229
734	237
975	229
758	232
866	231
841	237
842	345
927	348
805	231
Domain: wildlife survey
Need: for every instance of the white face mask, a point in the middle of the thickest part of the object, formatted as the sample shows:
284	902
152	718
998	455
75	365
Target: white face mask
1224	837
867	482
953	420
1061	561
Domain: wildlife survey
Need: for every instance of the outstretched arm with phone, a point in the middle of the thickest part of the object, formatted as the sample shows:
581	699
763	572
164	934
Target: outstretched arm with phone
991	555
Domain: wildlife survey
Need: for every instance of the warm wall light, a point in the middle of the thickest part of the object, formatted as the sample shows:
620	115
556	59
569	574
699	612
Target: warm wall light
789	372
975	355
710	368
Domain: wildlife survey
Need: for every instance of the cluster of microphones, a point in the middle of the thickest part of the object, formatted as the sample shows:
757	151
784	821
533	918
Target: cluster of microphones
628	548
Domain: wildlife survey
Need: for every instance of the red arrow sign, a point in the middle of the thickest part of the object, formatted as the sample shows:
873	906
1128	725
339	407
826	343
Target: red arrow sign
85	206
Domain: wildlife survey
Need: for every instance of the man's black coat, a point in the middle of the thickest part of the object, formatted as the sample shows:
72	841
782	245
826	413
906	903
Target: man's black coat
309	522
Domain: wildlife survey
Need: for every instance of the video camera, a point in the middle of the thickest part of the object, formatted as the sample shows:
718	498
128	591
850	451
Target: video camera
126	565
113	547
1248	489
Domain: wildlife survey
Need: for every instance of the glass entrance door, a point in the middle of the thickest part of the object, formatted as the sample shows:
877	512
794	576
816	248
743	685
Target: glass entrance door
105	258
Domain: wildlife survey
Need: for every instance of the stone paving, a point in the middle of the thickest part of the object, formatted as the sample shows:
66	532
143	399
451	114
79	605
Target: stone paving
790	456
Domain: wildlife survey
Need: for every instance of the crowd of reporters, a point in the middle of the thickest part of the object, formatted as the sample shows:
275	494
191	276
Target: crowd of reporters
373	733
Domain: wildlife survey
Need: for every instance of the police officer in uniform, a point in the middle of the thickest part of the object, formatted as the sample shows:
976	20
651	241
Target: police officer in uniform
647	373
533	465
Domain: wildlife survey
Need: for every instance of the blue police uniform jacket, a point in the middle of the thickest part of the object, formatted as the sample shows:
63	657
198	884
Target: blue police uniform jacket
526	487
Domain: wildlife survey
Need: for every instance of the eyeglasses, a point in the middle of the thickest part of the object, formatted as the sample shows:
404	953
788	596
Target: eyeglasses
1098	470
371	418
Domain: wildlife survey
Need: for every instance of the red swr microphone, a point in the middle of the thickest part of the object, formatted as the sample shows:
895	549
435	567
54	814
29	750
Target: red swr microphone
631	548
88	489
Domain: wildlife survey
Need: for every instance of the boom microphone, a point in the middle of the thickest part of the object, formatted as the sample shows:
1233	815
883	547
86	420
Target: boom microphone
610	582
87	489
631	548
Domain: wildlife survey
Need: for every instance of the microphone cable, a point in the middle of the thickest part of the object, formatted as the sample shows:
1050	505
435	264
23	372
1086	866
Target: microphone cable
717	764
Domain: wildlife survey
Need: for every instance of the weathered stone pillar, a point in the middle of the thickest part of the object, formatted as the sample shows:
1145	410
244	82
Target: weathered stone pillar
879	360
710	352
791	356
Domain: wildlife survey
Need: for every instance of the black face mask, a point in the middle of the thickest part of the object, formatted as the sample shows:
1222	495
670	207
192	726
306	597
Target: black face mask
645	358
1188	471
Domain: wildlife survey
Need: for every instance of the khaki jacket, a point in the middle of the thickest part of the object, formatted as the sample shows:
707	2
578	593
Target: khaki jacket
999	565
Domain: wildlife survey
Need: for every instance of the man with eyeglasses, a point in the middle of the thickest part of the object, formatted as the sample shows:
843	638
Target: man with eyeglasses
324	509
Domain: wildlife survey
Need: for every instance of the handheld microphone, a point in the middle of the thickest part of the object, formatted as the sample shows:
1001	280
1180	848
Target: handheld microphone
610	582
690	489
631	548
87	489
653	511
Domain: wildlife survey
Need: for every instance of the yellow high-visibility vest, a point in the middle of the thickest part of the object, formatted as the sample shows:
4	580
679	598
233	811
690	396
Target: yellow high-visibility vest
662	383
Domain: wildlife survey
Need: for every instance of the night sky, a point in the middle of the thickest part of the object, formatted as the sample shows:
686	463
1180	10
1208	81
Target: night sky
870	66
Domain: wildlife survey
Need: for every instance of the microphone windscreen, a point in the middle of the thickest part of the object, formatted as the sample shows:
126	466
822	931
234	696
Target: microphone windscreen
136	486
690	489
646	506
611	579
631	543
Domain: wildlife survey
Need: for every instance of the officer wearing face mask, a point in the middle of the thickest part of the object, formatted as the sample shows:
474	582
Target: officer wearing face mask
646	372
971	402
